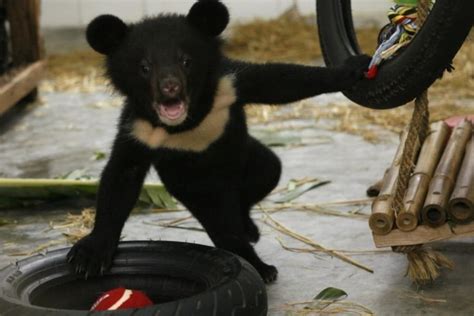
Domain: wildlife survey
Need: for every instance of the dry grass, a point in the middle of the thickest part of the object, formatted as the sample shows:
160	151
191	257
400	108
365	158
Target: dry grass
425	265
290	37
74	227
79	71
460	83
357	120
270	221
344	251
317	209
423	298
176	223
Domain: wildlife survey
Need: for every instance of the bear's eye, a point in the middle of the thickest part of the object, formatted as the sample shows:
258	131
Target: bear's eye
186	61
145	68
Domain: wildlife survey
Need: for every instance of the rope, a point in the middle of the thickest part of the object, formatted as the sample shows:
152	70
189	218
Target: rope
424	7
417	131
424	264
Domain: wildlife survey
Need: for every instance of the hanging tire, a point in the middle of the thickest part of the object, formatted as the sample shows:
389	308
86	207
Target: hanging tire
180	278
403	78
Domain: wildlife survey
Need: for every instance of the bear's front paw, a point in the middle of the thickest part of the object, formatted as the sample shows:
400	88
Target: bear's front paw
92	255
354	69
268	273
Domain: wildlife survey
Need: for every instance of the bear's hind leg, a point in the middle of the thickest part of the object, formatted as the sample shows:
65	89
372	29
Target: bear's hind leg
260	177
250	228
222	220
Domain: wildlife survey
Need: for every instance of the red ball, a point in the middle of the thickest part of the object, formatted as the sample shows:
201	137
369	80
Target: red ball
121	298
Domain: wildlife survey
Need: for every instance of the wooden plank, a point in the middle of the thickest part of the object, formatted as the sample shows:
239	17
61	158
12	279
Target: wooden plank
422	235
23	17
22	83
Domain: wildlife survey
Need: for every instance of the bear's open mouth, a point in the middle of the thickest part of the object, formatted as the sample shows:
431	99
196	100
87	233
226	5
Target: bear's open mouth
171	111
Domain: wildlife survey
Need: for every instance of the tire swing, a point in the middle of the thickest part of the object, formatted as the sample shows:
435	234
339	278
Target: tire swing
428	188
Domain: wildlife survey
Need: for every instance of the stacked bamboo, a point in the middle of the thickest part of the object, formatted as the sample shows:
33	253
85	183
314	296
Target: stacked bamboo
441	187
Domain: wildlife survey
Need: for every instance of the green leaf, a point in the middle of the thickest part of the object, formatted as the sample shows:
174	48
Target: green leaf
327	297
168	200
331	294
99	155
411	3
144	198
300	190
157	196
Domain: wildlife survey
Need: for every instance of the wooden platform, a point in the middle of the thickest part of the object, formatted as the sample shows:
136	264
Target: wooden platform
423	235
19	84
24	39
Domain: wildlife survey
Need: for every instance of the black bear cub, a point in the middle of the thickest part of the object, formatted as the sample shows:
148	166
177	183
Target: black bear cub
184	116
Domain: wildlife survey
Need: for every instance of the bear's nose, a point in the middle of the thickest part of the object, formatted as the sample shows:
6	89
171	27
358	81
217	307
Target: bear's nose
170	87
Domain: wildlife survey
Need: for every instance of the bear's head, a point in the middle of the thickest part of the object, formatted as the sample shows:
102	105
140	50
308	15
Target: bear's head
166	65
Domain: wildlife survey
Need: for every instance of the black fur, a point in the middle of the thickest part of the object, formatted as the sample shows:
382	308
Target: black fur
220	183
209	16
105	33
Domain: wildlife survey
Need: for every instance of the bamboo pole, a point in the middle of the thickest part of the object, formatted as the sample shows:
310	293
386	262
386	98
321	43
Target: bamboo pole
23	182
430	153
20	192
461	205
383	216
441	187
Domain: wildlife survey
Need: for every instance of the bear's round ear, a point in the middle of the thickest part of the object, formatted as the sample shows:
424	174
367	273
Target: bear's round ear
105	33
209	16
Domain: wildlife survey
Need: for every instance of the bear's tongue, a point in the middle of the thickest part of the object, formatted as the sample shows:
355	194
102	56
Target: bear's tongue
172	110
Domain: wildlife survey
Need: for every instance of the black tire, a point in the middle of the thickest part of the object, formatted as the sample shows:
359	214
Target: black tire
181	278
403	78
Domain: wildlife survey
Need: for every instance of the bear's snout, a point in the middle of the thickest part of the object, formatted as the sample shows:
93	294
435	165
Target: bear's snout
170	87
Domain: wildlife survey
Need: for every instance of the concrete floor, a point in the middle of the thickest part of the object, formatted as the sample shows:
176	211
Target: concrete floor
29	148
63	133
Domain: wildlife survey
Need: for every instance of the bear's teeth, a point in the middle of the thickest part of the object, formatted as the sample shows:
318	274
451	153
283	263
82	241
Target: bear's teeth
173	111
